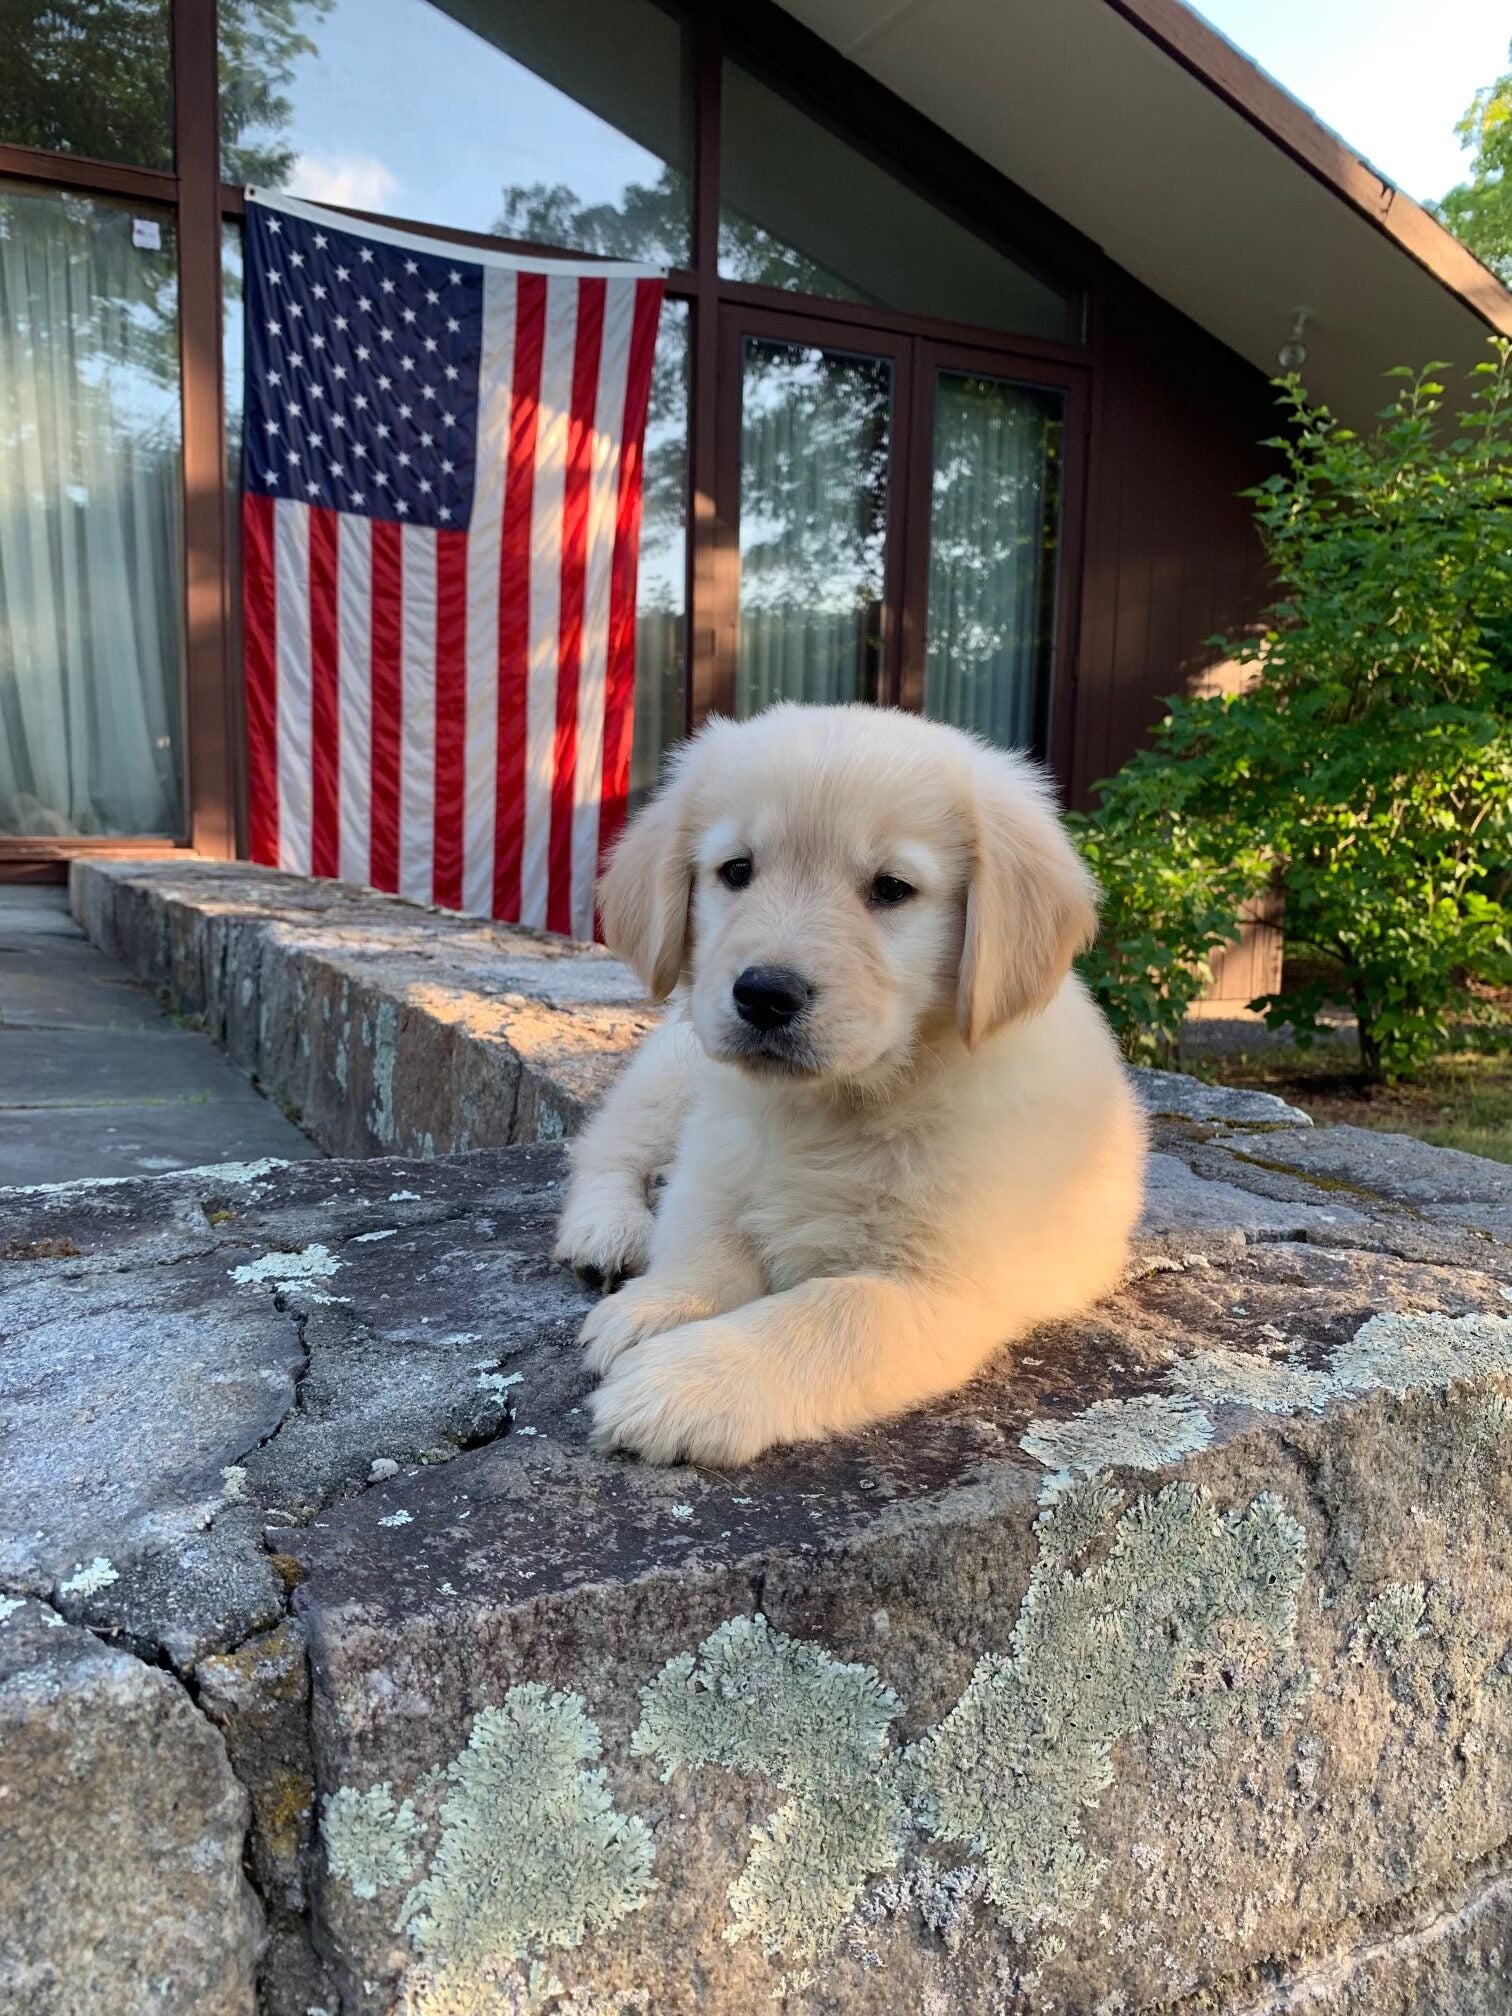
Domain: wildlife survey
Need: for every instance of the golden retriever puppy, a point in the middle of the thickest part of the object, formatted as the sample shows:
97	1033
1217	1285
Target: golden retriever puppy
894	1130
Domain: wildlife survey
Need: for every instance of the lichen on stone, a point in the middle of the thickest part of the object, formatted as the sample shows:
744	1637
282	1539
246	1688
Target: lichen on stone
1404	1351
1094	1657
533	1853
284	1272
89	1577
759	1703
371	1844
1437	1655
1144	1433
1272	1385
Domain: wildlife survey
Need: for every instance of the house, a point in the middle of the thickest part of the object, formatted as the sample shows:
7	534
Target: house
962	369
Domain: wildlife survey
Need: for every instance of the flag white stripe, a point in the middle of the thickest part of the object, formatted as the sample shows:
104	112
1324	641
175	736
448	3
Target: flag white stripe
291	566
354	609
496	382
603	501
417	758
546	592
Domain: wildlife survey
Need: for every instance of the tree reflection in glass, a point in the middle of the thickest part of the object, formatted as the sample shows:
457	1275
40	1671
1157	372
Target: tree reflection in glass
815	438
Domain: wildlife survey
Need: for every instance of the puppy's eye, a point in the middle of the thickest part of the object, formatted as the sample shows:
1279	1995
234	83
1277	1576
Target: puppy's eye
888	891
737	873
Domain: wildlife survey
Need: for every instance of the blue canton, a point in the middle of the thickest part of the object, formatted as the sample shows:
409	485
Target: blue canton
362	372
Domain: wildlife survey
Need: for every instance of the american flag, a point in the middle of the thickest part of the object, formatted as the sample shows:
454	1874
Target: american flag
441	516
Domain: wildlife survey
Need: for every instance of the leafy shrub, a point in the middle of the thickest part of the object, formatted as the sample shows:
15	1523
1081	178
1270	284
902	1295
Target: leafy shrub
1367	768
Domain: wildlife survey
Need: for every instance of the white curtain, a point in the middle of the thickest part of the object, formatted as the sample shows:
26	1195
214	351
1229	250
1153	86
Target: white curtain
813	492
992	528
90	541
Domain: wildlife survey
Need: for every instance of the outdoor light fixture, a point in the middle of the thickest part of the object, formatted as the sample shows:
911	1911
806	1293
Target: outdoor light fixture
1293	352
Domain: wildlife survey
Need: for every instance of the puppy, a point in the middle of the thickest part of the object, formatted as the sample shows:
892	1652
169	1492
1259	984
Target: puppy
894	1130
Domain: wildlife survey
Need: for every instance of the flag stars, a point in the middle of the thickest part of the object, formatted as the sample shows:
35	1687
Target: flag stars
454	277
387	285
296	258
410	266
318	291
274	328
343	272
401	507
452	325
321	241
431	297
366	255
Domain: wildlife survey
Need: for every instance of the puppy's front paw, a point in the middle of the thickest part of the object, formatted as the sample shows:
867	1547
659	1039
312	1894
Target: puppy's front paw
686	1397
643	1308
603	1239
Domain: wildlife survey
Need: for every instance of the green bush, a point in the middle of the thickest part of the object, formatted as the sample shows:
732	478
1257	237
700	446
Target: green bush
1367	768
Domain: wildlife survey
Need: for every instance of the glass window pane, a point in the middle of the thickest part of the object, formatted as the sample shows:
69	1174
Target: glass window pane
803	208
993	527
815	430
93	78
662	585
90	534
563	123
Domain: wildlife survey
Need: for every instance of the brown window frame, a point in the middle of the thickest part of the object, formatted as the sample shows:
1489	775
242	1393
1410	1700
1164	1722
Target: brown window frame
754	31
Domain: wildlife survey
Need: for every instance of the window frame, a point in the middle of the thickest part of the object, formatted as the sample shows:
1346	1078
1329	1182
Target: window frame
760	35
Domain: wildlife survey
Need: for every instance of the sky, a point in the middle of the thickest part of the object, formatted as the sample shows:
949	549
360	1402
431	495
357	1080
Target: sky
1390	76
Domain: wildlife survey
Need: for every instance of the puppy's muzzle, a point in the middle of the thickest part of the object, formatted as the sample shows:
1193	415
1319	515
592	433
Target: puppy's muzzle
770	997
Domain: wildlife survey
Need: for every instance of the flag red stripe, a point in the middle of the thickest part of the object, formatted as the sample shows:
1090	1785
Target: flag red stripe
260	672
325	698
619	691
451	717
514	594
576	497
387	637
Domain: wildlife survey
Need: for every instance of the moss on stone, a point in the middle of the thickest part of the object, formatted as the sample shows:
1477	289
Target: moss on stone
784	1709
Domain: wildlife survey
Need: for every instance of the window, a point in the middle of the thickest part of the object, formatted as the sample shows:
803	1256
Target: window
815	440
993	523
93	78
804	209
661	625
562	123
90	541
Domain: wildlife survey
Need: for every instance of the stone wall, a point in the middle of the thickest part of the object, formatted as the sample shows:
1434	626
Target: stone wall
382	1027
1167	1667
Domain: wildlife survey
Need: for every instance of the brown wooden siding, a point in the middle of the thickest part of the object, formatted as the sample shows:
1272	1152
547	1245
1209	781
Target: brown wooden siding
1171	555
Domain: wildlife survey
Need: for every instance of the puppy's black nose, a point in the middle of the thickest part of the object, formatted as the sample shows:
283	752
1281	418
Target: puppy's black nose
769	997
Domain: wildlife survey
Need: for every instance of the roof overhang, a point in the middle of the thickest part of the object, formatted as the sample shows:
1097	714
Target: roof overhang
1143	128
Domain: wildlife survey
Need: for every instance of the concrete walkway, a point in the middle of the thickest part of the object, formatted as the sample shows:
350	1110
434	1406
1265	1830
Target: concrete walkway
96	1079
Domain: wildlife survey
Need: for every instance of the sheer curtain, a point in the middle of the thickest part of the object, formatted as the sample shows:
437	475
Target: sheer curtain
993	521
813	496
90	571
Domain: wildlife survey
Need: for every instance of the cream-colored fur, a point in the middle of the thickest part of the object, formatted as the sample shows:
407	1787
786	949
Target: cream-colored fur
942	1152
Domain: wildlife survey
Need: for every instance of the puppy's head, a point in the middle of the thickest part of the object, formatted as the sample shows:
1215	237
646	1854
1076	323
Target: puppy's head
840	883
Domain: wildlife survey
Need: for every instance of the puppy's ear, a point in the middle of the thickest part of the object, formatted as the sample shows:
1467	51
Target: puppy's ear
645	891
1031	906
